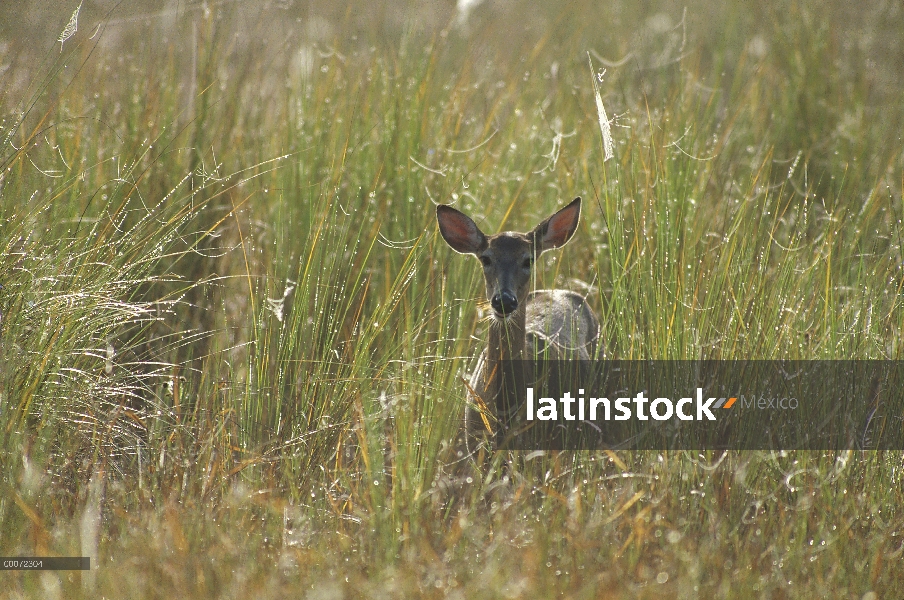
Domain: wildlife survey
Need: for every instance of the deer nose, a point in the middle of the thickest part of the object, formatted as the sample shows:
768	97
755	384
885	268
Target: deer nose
504	303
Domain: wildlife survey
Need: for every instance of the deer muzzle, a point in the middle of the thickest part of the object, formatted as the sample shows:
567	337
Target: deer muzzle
504	303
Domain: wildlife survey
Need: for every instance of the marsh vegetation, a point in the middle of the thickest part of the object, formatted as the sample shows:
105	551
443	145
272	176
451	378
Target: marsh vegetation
232	342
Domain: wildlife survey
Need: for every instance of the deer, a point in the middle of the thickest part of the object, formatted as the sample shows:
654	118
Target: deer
552	324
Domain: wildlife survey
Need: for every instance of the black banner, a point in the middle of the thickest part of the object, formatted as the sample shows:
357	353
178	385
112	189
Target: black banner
698	405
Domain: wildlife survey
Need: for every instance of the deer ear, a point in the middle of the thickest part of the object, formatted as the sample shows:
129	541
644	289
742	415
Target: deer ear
460	231
555	231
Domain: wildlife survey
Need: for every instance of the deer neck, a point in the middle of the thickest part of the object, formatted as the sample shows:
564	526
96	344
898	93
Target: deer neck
505	381
507	338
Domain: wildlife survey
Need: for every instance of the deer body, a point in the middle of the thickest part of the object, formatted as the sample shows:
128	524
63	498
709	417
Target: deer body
554	324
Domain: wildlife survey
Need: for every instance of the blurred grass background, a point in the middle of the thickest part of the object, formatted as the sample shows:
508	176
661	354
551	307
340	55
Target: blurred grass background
231	342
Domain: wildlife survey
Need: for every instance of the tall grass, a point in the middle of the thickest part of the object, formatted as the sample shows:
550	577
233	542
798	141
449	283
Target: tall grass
232	345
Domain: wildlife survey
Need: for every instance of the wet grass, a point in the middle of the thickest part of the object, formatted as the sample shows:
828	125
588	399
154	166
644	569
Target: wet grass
232	343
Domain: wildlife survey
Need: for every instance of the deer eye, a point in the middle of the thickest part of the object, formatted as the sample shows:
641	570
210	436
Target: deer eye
486	260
